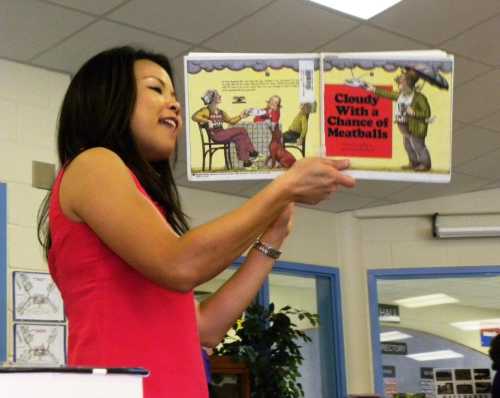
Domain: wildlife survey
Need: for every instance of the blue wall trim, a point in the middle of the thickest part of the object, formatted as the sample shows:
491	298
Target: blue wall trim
410	273
306	270
338	332
3	272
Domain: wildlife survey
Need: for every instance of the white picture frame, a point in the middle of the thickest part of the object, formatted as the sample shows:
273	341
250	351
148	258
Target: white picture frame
37	344
36	298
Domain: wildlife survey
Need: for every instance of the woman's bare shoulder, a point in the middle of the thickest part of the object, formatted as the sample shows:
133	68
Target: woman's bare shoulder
90	173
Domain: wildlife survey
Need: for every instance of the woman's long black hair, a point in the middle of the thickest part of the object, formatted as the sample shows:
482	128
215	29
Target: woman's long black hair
96	112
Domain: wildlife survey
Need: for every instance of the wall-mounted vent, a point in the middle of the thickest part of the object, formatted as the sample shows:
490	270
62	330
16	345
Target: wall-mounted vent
42	175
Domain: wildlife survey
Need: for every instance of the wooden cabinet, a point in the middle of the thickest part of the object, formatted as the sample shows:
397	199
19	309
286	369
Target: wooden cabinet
225	366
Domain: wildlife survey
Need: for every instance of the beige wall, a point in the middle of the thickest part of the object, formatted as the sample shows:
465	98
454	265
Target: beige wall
29	103
400	236
354	242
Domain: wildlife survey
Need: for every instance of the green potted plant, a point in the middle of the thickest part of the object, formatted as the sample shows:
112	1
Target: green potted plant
268	342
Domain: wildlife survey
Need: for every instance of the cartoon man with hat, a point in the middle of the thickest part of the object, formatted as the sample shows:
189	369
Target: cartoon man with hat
413	114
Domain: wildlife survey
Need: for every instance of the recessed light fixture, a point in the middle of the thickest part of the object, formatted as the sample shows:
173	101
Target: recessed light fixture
450	231
476	325
364	9
426	301
435	355
393	336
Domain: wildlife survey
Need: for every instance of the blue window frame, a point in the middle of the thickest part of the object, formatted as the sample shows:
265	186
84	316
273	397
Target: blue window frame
3	272
410	273
328	281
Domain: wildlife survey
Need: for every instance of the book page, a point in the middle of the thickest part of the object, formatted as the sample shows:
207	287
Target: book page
391	116
250	116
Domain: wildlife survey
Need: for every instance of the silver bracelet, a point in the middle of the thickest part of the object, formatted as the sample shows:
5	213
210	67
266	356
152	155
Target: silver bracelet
266	249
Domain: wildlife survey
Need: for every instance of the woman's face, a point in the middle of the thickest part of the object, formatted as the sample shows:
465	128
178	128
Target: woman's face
217	98
156	119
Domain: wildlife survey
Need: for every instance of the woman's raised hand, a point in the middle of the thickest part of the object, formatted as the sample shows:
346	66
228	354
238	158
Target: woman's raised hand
280	228
312	180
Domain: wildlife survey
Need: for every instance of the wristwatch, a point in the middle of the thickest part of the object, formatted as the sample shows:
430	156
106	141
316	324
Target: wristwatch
267	250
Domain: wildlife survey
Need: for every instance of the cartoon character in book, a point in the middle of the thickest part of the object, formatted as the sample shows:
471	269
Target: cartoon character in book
278	155
271	113
413	114
212	118
298	128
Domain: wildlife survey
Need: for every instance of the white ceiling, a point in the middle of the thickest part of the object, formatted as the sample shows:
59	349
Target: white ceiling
61	34
480	292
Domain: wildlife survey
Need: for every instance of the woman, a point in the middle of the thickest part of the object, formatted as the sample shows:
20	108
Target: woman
118	243
213	118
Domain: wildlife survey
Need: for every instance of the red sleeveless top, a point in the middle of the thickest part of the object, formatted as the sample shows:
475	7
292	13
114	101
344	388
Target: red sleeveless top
117	317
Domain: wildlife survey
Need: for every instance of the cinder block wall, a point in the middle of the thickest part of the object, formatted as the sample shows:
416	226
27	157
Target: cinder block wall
29	104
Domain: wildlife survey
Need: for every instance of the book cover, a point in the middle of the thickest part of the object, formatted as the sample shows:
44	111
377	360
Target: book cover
390	115
252	116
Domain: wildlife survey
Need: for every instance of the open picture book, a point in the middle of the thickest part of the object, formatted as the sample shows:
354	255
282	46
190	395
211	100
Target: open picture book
252	116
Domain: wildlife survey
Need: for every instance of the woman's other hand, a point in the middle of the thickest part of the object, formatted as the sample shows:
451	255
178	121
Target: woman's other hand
280	228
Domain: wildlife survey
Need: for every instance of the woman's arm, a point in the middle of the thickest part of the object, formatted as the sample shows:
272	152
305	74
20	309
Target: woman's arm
97	189
201	116
218	313
231	120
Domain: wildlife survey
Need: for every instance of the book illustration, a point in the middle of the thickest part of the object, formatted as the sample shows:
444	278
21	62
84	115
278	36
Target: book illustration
36	297
39	344
249	117
391	117
215	121
252	116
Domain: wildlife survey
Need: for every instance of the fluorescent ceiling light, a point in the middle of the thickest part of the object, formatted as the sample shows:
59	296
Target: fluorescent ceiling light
472	231
426	301
476	325
364	9
393	335
467	232
435	355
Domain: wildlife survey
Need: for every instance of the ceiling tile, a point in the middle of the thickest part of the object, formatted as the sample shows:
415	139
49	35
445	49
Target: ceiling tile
466	70
226	187
379	203
493	185
458	127
477	292
480	43
72	53
487	166
459	184
368	38
477	98
284	26
342	201
472	142
378	189
96	7
29	27
177	64
189	20
491	121
434	21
